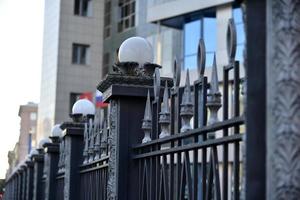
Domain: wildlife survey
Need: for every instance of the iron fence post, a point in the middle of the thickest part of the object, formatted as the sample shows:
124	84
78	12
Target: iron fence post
29	180
50	168
19	186
127	105
256	96
24	175
38	175
73	138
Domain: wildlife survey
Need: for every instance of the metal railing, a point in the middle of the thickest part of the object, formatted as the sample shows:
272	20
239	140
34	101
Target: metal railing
181	161
190	147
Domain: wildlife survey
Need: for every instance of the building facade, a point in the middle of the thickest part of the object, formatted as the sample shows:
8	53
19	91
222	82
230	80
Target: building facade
128	18
82	37
72	57
173	27
27	137
28	125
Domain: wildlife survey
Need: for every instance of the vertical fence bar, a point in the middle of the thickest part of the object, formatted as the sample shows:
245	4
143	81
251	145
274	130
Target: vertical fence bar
225	134
236	101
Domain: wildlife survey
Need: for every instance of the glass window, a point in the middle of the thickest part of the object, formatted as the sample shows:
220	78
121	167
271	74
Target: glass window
239	24
107	18
33	116
80	54
126	15
83	8
73	98
210	38
205	28
105	69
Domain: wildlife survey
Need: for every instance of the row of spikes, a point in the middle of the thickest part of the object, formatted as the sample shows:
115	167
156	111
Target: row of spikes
186	107
94	131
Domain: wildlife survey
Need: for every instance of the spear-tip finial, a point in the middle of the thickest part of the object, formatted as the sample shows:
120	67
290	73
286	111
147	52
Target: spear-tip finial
214	84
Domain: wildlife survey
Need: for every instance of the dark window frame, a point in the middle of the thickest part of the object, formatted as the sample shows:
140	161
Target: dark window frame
126	15
83	8
80	54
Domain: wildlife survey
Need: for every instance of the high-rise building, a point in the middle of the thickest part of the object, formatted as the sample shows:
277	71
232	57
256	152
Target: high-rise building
82	38
174	28
72	57
127	18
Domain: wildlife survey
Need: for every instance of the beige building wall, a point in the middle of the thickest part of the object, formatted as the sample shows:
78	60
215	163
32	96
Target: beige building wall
28	115
60	77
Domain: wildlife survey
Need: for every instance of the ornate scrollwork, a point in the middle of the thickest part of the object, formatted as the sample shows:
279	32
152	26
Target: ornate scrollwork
284	147
133	69
112	143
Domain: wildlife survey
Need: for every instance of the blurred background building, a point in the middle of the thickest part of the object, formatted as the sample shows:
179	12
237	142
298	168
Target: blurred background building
27	137
72	57
82	37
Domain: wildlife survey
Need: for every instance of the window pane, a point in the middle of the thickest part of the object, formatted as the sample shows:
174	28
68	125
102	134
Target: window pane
239	24
33	116
76	7
240	53
209	59
190	62
80	54
83	7
126	14
191	37
240	33
210	34
74	53
237	15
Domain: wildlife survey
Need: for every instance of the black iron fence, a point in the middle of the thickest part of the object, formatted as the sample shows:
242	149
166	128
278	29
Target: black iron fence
156	140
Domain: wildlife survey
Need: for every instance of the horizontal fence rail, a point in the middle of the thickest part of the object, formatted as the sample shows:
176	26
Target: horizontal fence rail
186	145
187	153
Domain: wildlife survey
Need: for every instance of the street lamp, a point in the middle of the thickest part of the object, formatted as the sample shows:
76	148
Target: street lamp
82	108
33	152
136	49
43	142
56	133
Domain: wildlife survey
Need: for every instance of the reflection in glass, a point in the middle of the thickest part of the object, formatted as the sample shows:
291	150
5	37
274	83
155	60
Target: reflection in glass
205	28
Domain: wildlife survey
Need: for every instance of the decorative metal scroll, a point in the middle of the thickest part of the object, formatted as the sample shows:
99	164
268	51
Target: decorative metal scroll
61	159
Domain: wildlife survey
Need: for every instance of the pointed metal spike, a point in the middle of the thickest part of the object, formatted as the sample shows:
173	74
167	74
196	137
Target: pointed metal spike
105	125
176	73
165	107
156	83
187	96
147	115
214	83
187	80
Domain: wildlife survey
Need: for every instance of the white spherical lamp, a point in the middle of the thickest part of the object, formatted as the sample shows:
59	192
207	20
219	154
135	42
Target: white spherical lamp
56	131
136	49
33	152
27	158
84	107
44	141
